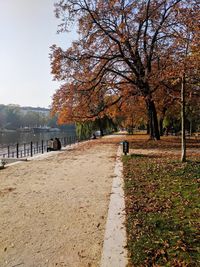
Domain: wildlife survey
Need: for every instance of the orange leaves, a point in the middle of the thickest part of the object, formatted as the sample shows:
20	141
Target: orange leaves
125	49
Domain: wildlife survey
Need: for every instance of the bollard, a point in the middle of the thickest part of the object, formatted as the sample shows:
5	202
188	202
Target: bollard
17	150
24	150
31	149
37	146
42	146
8	152
125	147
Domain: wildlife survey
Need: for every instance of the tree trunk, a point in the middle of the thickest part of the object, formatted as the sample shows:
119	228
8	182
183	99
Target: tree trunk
161	126
153	120
148	131
114	126
191	127
100	127
164	109
183	139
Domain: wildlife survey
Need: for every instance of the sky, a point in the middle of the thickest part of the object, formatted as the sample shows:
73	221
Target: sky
27	30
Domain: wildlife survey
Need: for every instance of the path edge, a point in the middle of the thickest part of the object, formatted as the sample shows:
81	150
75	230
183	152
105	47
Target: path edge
114	251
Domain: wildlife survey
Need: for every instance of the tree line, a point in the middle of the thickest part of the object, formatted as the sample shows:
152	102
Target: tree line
13	117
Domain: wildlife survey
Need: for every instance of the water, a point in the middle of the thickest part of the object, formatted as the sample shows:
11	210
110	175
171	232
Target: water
12	138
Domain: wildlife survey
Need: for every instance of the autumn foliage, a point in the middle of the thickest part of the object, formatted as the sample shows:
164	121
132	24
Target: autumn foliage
126	50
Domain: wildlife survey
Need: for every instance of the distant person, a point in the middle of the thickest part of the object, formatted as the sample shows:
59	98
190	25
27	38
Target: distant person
94	136
50	145
58	143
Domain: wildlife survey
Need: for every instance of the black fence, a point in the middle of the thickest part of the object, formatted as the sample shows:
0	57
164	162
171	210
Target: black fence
30	149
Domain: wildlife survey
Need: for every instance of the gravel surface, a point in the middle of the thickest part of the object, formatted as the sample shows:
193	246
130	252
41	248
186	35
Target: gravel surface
53	209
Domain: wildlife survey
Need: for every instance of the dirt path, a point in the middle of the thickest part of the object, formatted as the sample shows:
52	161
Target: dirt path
53	210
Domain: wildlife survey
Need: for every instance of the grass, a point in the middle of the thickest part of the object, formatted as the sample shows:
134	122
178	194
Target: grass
162	208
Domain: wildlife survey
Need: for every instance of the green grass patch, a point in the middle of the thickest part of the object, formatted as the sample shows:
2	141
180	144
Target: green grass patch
162	205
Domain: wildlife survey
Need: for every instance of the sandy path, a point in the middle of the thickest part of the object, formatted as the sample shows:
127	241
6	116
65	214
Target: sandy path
53	211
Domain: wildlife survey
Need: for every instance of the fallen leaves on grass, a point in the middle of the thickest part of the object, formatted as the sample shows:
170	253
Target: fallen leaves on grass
161	196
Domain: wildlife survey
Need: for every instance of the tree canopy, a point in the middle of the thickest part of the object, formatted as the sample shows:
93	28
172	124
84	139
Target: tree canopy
125	49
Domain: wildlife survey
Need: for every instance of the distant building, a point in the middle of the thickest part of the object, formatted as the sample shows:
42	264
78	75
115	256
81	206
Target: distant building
44	111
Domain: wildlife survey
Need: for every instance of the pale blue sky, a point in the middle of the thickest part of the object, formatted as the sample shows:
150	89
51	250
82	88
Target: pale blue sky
27	30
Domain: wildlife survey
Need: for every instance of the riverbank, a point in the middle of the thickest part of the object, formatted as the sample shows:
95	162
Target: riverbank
22	145
54	208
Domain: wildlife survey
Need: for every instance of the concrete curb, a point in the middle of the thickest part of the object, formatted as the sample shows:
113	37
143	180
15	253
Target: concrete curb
114	252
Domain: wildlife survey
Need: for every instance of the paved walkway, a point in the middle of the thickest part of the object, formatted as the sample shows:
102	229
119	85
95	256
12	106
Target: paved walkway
54	208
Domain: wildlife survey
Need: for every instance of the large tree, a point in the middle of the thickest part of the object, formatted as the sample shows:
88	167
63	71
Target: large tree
124	48
183	72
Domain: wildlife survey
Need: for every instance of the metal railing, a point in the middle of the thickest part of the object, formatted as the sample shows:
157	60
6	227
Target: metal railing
30	149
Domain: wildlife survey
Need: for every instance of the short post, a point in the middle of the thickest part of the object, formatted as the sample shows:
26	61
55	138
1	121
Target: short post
8	152
42	146
125	147
17	150
24	150
64	141
31	149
